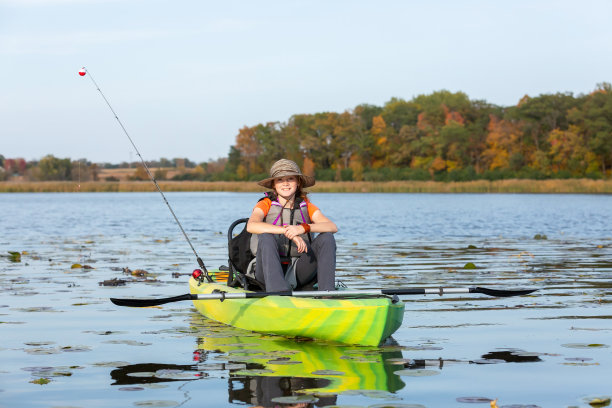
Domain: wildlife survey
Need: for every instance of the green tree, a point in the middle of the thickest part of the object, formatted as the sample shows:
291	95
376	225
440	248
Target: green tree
398	113
594	117
52	168
540	115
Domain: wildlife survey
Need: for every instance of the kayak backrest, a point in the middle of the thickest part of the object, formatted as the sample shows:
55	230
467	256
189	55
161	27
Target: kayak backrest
240	258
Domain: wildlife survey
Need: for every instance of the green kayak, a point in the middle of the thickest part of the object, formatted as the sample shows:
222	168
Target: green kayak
362	321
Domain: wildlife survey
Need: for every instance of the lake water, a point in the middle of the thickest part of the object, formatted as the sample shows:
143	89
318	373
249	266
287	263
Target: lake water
65	345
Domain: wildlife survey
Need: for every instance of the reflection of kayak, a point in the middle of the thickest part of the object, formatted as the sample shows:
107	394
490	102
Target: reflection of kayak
335	368
366	321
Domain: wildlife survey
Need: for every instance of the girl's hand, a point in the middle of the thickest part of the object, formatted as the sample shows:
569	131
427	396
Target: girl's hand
300	243
292	231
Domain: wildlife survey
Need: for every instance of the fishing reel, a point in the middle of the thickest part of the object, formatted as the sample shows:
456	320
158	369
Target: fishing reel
198	276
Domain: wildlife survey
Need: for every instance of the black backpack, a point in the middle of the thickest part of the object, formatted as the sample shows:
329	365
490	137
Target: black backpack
240	256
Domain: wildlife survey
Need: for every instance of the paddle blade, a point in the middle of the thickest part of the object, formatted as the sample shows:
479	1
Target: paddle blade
151	302
502	293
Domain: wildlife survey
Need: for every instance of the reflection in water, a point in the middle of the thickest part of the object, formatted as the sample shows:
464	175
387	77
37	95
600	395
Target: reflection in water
513	356
263	367
260	369
150	373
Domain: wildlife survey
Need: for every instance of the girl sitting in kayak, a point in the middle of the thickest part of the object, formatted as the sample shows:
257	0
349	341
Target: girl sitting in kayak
282	225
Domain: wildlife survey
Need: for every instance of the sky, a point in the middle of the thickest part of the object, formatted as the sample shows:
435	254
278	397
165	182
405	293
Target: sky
184	76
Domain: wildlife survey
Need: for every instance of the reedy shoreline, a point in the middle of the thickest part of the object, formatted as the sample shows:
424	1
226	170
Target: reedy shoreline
555	186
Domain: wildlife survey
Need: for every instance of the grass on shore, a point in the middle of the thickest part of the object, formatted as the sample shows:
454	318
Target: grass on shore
571	186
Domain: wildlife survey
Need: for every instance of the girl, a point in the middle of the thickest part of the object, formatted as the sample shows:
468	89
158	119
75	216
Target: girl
282	225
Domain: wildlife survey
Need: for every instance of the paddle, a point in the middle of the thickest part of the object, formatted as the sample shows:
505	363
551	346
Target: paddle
327	294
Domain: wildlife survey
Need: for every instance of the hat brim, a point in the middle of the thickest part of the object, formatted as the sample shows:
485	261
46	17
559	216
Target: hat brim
307	181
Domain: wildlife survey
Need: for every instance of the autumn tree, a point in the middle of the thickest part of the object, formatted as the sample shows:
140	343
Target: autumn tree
594	117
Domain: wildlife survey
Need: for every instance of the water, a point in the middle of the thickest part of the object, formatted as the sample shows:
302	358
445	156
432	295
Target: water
64	344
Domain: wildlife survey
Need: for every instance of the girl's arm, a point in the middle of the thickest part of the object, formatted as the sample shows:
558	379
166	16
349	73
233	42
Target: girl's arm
319	223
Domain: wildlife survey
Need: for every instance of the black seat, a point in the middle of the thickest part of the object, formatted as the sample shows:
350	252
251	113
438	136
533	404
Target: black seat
240	256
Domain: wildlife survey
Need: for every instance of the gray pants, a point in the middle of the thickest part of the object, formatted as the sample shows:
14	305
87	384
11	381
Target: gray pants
319	261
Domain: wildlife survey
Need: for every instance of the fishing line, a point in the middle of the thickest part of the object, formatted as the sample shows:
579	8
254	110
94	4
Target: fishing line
200	262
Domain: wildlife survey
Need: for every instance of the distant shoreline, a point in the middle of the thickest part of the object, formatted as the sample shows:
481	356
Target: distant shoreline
554	186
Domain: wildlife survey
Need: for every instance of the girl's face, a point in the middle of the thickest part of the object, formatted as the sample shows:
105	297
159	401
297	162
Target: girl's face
286	186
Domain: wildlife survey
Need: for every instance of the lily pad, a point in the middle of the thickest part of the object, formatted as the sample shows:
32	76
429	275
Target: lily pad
327	372
254	372
585	345
42	351
39	343
111	364
14	256
156	403
600	402
175	374
41	381
128	342
74	349
474	400
139	374
297	399
417	373
520	406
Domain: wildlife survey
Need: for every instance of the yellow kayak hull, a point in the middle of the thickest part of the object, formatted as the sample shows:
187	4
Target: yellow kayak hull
365	321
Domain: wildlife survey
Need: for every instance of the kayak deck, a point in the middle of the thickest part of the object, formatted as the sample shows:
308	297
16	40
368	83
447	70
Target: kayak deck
364	321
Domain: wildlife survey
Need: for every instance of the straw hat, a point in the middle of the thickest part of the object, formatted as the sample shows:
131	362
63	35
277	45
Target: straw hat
283	168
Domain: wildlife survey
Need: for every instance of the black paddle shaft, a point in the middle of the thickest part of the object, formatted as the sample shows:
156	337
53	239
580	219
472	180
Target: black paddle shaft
317	294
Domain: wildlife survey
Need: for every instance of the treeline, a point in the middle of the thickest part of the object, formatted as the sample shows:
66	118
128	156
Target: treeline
443	136
51	168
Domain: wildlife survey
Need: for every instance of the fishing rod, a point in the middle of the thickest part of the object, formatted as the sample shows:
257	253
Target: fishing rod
83	72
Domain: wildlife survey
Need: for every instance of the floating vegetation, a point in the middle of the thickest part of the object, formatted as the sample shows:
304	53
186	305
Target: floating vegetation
540	236
14	256
74	349
39	343
128	342
113	282
469	265
599	401
156	403
283	362
585	345
42	350
115	364
474	400
79	266
50	372
254	372
296	399
416	373
327	372
139	374
41	381
35	309
175	374
141	273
